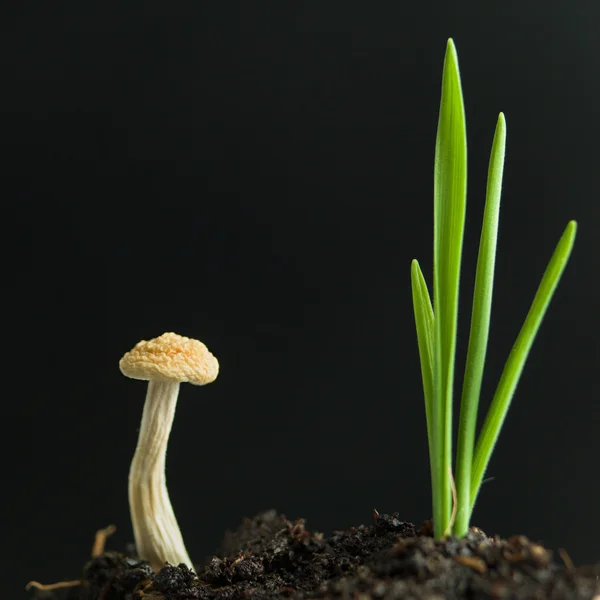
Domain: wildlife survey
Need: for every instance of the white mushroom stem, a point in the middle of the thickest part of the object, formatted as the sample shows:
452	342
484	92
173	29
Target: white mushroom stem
157	535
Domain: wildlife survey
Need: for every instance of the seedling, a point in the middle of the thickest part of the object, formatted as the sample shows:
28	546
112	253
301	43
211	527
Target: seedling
436	331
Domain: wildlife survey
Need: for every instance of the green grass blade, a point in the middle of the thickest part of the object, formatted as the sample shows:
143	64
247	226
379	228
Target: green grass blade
480	326
424	325
450	187
516	361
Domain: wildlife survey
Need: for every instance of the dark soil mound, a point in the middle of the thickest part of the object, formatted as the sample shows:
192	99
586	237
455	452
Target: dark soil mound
270	557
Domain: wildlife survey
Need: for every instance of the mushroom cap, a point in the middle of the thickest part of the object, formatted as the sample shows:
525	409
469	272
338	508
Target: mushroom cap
170	357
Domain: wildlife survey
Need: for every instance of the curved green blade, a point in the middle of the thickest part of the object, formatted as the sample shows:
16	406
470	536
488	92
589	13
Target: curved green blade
518	356
424	324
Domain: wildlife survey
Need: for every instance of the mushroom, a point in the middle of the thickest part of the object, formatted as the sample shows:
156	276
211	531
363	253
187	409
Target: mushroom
164	362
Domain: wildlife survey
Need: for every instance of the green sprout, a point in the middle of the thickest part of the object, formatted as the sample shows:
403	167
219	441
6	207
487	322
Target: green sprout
436	331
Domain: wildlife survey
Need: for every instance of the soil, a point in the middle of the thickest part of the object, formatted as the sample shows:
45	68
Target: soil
269	558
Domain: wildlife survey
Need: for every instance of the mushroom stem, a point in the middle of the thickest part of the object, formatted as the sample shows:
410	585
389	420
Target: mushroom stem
157	535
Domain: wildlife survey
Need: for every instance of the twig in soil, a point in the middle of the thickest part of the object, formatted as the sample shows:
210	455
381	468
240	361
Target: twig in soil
569	566
473	562
97	550
100	540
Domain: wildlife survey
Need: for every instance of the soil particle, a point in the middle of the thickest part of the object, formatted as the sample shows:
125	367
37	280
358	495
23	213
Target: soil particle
270	558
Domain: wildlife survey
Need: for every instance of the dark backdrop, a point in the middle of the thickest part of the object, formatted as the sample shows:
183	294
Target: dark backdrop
259	176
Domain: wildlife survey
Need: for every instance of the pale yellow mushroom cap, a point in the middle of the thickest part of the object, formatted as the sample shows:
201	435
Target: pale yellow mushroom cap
170	357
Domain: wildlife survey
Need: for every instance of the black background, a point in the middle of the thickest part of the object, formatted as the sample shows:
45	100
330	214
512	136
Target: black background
259	176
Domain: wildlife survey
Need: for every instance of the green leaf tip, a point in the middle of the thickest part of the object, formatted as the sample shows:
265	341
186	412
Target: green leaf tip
501	125
451	58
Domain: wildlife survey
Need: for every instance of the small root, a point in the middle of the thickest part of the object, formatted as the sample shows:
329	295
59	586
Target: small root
100	540
48	587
